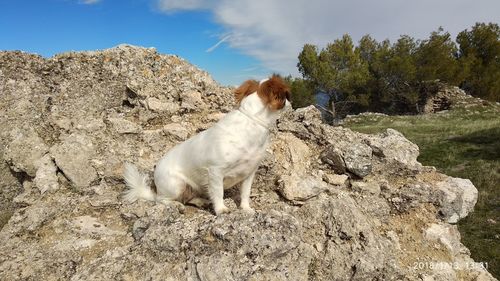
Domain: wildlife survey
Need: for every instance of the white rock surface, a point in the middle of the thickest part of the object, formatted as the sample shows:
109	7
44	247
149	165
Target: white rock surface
68	124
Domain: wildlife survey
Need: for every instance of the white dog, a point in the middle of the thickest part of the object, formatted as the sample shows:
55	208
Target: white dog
220	157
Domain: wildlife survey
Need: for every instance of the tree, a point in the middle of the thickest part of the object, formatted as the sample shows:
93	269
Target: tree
302	92
479	54
367	48
397	78
315	68
337	70
436	59
395	70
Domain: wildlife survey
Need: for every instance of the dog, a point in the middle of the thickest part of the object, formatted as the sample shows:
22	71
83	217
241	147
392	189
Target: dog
220	157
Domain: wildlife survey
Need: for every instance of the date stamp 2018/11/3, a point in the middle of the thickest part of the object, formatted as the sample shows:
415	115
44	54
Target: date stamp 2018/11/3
441	265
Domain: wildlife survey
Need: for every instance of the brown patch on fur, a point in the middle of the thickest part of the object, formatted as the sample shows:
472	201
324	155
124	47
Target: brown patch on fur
247	88
274	92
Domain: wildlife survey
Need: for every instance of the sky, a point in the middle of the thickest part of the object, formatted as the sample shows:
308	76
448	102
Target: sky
234	40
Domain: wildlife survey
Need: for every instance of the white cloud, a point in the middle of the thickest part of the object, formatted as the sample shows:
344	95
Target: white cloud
275	31
170	6
225	38
89	2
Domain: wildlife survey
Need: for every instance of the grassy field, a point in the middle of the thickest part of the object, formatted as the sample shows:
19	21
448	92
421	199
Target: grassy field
461	143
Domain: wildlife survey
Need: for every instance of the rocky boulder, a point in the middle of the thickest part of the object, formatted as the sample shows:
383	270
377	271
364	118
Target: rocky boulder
331	204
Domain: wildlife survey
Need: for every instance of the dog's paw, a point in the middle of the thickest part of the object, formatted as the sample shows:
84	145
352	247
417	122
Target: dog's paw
248	210
221	210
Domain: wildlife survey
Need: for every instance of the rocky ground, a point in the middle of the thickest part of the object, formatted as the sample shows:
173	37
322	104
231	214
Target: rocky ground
332	204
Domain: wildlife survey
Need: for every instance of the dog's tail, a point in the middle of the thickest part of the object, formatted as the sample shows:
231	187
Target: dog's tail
137	184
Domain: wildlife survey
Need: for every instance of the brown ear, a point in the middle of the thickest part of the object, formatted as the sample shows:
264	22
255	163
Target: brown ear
274	92
245	89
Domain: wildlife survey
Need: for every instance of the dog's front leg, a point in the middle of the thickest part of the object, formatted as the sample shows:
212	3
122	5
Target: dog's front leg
246	186
216	190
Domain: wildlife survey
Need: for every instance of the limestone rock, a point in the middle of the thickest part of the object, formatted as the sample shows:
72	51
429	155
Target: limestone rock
295	182
456	198
177	130
366	187
73	156
46	175
158	106
300	188
124	126
24	152
69	122
358	159
192	101
393	146
446	235
87	225
354	157
338	180
333	157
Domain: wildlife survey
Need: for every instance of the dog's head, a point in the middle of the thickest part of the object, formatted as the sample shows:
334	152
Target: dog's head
273	92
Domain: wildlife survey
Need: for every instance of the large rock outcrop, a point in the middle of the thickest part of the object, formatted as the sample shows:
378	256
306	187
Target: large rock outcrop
331	204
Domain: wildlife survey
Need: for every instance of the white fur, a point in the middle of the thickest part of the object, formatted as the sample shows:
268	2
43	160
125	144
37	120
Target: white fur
137	185
213	160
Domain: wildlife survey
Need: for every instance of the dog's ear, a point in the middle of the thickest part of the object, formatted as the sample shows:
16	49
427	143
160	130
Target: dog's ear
274	92
245	89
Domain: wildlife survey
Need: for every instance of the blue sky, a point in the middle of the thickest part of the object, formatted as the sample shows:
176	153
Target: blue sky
48	27
231	39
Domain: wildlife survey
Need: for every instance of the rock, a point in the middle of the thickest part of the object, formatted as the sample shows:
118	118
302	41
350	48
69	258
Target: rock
358	159
162	107
308	115
87	225
300	187
32	218
10	187
446	235
456	198
338	180
446	97
354	157
301	122
46	175
177	130
87	113
24	152
139	228
296	183
393	146
192	101
124	126
333	157
366	187
73	156
90	124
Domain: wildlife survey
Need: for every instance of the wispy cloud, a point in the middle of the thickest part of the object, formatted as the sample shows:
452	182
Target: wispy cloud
89	2
275	31
170	6
250	69
218	43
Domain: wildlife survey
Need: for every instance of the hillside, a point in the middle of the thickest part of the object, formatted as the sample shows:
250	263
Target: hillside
332	204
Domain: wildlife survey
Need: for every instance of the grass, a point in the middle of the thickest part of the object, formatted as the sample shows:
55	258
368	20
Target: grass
461	143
